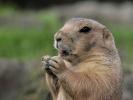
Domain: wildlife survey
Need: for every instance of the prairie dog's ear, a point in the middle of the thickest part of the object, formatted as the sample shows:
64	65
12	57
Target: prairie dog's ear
106	34
108	38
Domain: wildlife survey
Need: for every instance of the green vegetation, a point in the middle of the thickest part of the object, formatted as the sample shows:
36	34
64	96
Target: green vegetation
29	42
123	35
123	38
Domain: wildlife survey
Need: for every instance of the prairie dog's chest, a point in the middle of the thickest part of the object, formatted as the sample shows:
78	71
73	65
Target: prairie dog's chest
68	65
63	95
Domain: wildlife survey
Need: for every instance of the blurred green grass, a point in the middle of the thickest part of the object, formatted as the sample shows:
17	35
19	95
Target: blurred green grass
123	35
29	43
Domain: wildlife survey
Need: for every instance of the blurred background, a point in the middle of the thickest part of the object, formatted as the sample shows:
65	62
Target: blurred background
26	34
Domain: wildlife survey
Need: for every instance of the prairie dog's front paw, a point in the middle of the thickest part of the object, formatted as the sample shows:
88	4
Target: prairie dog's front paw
45	60
54	64
45	65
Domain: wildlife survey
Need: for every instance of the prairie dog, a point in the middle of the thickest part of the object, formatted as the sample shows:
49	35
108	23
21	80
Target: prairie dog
87	66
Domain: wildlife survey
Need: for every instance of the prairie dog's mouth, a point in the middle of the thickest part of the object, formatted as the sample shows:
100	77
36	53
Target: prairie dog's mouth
64	52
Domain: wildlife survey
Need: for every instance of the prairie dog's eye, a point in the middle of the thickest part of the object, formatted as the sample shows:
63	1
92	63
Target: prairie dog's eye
85	29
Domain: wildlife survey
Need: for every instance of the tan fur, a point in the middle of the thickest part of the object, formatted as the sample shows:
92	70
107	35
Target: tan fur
92	71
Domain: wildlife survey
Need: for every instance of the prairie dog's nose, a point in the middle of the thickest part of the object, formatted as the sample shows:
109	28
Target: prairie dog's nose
58	39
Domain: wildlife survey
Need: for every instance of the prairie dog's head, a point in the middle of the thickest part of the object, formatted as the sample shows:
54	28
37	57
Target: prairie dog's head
79	36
